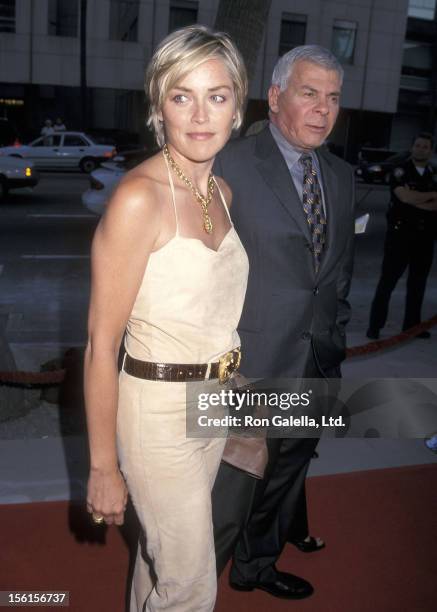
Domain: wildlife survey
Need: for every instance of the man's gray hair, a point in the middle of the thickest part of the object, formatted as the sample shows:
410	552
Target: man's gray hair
309	53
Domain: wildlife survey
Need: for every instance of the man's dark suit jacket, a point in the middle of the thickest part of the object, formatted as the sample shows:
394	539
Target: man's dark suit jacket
293	317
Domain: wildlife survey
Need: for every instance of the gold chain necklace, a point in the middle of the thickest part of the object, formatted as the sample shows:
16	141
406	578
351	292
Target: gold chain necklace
204	202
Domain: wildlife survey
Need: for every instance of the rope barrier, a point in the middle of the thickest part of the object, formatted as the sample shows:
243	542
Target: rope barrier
32	379
379	345
56	377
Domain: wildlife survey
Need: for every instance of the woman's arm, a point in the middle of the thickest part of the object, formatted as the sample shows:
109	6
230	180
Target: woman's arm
123	241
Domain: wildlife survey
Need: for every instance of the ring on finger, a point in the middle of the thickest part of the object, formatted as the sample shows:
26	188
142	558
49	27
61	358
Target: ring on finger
97	519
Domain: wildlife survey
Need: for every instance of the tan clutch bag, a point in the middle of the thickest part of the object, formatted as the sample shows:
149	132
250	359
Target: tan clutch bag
243	452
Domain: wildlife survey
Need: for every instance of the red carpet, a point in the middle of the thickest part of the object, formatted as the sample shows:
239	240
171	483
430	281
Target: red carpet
380	527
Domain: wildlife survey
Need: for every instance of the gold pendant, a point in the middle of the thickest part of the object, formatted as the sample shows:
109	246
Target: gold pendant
207	223
203	201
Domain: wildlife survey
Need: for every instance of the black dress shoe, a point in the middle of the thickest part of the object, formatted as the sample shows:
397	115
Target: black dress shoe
283	585
308	546
373	334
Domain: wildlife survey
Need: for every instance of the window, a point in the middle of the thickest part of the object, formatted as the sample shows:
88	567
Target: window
51	141
63	17
37	143
124	20
7	15
74	141
422	9
417	65
343	40
293	31
47	141
182	13
417	58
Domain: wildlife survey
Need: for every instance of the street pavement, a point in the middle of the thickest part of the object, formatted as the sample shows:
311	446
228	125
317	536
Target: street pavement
45	239
44	289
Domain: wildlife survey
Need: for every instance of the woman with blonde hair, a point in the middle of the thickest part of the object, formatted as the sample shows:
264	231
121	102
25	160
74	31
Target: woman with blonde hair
169	272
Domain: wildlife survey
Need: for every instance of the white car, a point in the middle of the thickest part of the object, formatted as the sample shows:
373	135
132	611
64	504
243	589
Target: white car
102	183
15	174
104	180
63	150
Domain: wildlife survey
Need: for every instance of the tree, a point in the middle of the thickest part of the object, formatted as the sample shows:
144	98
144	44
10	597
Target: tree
244	21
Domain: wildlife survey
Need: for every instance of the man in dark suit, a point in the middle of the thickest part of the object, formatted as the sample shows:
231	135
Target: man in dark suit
293	208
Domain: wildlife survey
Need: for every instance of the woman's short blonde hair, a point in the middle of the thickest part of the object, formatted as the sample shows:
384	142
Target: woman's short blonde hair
180	53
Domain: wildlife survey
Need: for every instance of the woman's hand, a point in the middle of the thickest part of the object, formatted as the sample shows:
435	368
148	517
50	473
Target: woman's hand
107	495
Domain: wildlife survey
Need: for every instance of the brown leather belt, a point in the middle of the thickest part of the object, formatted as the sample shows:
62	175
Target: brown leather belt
183	372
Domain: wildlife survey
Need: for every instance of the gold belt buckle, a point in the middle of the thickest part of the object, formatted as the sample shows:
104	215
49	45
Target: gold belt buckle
228	363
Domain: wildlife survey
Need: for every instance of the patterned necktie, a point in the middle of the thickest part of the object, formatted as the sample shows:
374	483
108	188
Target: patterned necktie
313	208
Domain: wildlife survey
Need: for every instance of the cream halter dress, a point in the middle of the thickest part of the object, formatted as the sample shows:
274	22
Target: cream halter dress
186	311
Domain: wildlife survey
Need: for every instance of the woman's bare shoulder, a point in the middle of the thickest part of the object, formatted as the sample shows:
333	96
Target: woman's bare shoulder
134	209
152	169
140	190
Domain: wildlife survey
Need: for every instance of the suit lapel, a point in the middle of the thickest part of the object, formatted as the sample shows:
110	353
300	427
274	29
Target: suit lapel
332	203
275	173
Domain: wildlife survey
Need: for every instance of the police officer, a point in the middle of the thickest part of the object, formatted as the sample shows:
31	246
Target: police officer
409	242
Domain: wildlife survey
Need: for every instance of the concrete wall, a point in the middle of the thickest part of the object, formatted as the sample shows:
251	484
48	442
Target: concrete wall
371	83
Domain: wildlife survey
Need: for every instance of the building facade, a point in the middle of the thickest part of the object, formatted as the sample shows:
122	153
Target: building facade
417	100
40	58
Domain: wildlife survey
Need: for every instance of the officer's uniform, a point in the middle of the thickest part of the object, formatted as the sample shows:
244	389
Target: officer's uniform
409	242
